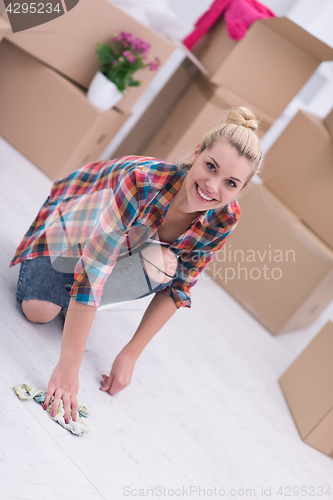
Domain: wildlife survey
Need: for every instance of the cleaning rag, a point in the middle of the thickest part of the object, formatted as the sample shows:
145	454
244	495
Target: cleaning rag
25	391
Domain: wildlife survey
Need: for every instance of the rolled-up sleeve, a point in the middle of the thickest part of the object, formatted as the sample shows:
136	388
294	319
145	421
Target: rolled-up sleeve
187	276
101	250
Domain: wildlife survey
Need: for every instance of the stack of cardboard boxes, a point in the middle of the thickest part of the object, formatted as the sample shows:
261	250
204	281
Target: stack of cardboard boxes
263	71
46	71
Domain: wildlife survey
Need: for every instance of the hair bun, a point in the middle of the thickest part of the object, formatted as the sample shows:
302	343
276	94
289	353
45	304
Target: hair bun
243	116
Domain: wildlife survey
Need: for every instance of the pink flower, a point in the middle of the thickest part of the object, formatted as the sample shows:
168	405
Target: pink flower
154	65
141	46
130	56
126	37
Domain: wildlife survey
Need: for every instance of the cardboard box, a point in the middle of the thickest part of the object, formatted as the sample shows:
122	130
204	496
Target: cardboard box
268	67
214	47
68	43
299	169
273	265
198	110
48	118
4	28
308	388
154	117
263	71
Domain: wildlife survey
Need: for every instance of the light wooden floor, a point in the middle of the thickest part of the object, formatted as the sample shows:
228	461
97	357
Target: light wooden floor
204	408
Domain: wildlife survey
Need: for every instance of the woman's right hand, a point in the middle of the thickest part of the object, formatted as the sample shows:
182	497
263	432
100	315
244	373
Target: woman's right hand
63	384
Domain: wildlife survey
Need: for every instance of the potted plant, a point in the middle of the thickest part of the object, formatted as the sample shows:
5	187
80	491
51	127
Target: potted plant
118	63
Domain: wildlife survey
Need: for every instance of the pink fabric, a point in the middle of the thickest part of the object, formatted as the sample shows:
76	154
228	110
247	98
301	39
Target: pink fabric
238	14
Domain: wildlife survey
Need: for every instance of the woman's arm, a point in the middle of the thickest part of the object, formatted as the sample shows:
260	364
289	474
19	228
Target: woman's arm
64	381
159	311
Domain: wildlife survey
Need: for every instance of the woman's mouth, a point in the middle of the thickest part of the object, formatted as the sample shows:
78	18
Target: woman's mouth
202	195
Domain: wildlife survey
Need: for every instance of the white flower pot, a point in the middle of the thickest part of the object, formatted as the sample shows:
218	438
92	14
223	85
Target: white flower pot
103	93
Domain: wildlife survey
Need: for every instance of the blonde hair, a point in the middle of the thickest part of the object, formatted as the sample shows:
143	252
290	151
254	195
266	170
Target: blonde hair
239	131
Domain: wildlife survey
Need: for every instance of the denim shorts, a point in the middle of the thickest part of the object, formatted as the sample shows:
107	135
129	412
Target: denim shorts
39	279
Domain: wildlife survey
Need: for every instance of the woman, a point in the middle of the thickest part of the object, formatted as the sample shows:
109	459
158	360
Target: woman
108	213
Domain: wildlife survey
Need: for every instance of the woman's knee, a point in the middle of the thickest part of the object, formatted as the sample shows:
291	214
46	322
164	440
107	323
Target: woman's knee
40	311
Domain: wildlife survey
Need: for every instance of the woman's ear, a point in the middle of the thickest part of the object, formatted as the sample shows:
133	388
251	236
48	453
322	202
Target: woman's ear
196	153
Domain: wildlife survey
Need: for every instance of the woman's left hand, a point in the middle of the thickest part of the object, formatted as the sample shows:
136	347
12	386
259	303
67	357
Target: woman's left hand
120	375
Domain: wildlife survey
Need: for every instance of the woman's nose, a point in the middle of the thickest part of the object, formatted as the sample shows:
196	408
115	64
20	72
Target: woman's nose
212	188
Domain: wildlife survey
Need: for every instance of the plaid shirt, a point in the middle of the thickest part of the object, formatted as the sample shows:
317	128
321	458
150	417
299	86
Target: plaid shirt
103	209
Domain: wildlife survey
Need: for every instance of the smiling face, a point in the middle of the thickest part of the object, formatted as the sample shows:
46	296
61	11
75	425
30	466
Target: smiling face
215	178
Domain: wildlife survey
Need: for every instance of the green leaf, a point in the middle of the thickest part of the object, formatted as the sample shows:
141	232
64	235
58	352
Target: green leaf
133	83
116	80
105	53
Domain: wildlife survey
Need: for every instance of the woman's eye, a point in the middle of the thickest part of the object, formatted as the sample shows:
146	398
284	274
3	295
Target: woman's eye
211	166
231	183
